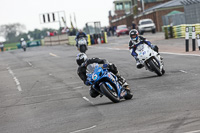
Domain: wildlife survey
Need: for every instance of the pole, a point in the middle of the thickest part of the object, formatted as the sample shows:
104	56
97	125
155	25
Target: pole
187	39
193	39
198	40
143	5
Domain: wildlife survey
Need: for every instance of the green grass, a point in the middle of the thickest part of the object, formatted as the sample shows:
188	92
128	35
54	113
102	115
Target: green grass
11	46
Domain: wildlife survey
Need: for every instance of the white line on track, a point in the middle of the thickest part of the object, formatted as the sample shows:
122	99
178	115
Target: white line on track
180	54
15	79
53	55
77	131
182	71
29	63
85	98
197	131
78	87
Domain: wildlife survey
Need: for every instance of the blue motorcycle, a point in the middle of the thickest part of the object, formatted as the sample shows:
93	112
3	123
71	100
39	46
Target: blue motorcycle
106	83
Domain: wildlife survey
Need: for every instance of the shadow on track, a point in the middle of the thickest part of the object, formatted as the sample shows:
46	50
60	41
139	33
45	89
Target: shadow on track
149	77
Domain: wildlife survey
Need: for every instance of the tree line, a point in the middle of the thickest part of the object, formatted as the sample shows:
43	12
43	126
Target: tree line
13	32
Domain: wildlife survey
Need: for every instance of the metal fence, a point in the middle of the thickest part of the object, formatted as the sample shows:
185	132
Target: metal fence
192	11
175	19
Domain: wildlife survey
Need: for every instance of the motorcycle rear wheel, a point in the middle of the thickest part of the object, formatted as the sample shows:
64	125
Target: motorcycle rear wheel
111	94
83	49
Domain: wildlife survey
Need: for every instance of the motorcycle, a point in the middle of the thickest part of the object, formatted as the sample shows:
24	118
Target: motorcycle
82	45
150	59
106	83
24	47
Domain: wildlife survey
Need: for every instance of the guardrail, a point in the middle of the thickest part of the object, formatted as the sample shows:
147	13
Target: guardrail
178	31
70	40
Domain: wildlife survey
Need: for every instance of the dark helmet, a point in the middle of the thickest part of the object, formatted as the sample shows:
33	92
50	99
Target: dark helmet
133	34
80	58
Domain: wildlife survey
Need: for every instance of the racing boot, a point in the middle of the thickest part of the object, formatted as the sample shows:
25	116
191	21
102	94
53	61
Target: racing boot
138	64
93	92
122	81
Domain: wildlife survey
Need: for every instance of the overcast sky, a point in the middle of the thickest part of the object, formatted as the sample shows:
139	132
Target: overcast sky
27	12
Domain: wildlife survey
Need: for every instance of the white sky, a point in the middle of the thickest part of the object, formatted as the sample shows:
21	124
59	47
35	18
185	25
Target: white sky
27	12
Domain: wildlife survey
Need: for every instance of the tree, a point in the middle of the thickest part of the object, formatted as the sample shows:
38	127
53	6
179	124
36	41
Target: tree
11	31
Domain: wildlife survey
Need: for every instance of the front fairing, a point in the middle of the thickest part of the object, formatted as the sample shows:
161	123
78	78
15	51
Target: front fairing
97	76
144	52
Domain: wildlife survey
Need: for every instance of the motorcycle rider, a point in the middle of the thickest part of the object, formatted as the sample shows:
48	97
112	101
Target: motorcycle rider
83	62
22	42
136	40
80	34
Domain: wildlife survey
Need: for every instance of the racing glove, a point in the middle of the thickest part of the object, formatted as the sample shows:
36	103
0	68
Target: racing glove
105	65
88	83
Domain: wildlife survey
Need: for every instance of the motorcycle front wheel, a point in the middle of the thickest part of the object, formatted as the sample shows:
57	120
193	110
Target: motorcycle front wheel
111	94
155	66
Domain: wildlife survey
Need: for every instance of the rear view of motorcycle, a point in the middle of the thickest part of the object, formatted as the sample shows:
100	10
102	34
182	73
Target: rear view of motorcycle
82	45
150	59
24	47
23	44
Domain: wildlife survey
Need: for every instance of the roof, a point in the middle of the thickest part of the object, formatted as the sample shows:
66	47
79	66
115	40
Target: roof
186	2
172	3
174	12
121	1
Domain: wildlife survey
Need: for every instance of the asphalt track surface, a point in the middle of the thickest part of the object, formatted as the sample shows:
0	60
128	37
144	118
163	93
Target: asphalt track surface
40	92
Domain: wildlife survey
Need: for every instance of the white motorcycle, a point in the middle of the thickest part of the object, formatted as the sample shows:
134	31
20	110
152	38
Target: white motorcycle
23	47
82	45
150	59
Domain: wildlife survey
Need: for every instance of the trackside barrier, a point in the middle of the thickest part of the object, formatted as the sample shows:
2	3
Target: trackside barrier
187	39
56	40
70	40
193	39
105	35
179	30
89	39
198	40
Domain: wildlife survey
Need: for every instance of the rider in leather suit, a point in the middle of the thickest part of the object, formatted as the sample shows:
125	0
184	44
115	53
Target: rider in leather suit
136	40
83	62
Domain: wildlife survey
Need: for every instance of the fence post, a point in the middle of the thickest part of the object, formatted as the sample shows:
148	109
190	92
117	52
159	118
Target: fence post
198	40
171	31
193	39
187	39
166	32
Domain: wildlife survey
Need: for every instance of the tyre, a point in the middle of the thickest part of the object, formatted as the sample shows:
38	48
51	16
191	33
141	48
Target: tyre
163	71
82	49
155	66
111	94
154	31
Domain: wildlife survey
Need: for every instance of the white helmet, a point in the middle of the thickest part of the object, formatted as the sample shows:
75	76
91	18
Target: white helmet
22	39
80	58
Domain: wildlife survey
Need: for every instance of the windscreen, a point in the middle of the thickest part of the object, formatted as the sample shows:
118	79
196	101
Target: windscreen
146	22
121	27
91	67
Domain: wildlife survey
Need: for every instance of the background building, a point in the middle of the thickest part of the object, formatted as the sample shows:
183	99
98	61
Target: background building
156	12
122	14
153	9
